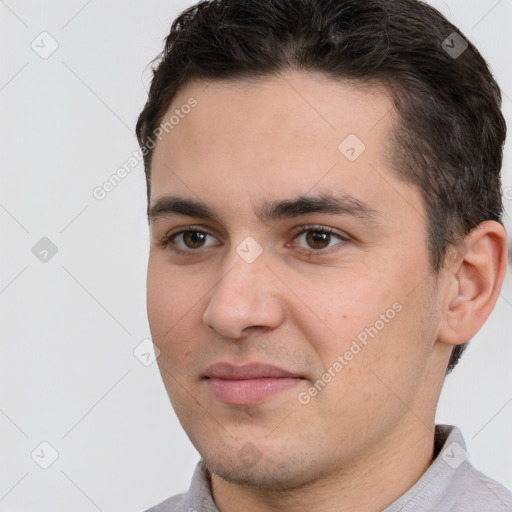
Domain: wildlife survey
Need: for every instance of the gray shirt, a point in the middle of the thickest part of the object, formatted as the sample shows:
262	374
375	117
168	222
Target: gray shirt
451	484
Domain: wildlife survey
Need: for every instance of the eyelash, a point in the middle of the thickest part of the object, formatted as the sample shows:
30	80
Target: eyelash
166	241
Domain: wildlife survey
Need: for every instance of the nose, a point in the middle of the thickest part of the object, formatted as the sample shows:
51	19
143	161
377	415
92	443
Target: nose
245	297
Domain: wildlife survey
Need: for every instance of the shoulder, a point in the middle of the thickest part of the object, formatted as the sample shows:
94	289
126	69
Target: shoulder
452	483
482	493
173	504
468	489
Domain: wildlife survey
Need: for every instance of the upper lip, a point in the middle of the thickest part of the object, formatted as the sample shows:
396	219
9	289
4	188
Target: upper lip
247	371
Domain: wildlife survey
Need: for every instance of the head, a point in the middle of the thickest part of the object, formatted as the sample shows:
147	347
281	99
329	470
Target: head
260	110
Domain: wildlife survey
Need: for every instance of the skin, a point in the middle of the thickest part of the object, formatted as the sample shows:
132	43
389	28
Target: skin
367	437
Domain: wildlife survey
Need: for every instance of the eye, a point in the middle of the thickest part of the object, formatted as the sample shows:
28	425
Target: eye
318	238
191	239
186	240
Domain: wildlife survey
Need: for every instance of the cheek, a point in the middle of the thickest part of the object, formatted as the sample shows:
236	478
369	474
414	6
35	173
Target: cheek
175	308
170	296
170	306
346	307
373	319
167	306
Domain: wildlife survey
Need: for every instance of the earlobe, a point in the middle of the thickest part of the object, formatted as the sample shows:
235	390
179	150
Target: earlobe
475	281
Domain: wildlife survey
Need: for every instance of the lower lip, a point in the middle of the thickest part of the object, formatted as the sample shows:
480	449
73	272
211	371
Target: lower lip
250	391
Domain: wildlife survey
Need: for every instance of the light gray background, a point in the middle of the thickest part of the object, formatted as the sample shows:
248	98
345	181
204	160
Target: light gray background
68	375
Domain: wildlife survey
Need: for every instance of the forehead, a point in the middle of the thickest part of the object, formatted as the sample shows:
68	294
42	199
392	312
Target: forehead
245	141
306	104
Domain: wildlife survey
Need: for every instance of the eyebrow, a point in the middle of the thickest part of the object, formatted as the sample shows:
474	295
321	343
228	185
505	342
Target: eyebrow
342	204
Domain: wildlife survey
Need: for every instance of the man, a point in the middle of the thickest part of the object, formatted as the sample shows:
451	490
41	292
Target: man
325	210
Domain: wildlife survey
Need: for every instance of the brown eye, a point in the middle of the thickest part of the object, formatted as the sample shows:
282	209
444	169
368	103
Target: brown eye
188	240
317	239
193	239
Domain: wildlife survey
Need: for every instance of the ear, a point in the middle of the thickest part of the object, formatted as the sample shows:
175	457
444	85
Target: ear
475	277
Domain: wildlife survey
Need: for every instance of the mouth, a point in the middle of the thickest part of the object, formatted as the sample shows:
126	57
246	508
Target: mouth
248	384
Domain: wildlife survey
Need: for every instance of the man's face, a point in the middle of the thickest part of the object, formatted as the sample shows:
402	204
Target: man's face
349	319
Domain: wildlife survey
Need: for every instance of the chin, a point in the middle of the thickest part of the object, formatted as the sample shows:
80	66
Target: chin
262	471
